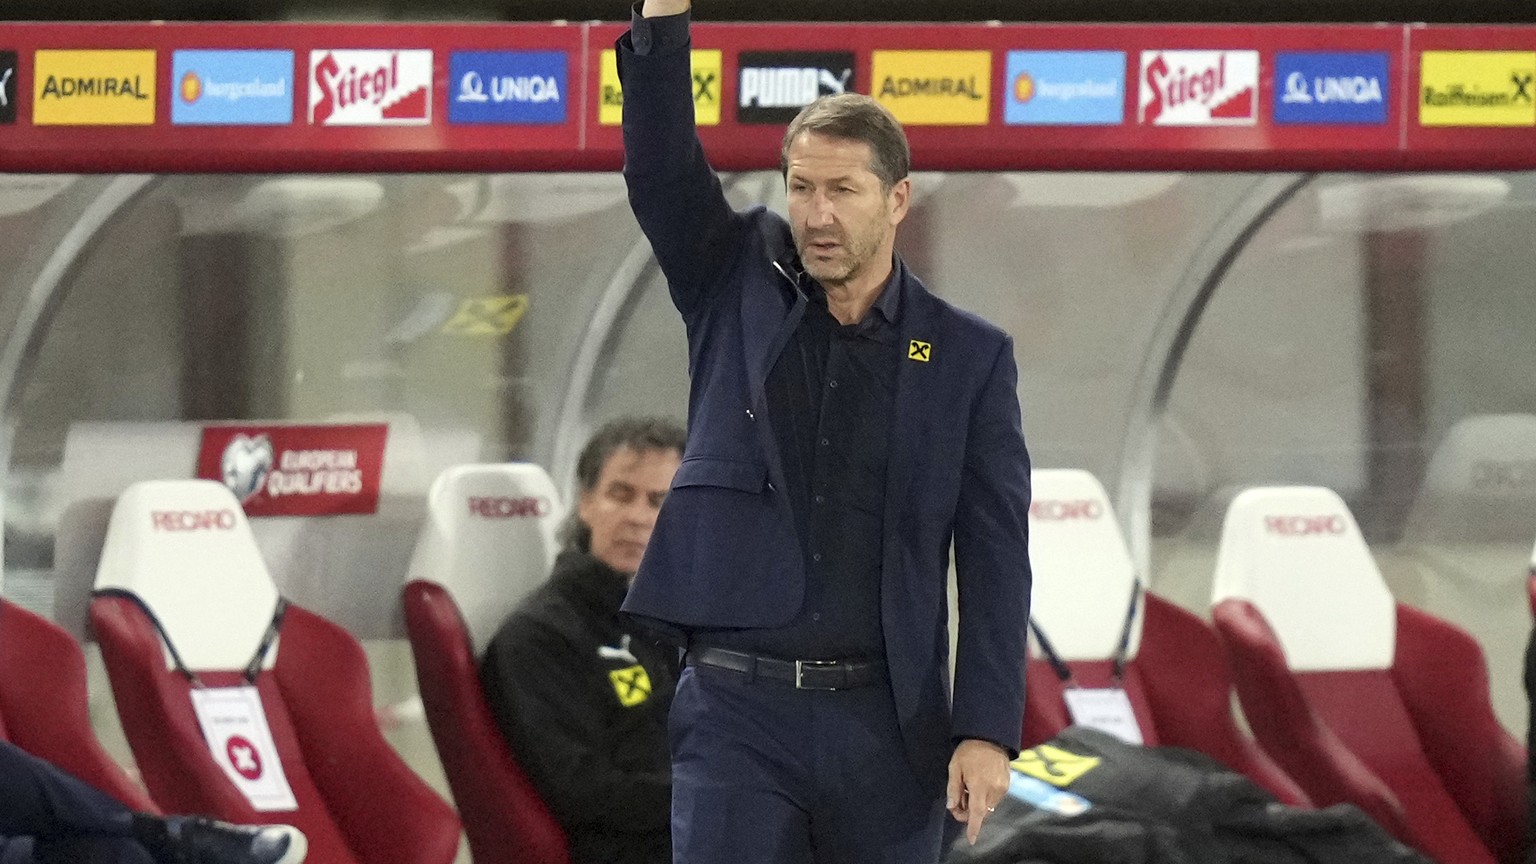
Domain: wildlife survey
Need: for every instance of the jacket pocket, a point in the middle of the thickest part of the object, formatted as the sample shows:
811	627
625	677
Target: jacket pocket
726	473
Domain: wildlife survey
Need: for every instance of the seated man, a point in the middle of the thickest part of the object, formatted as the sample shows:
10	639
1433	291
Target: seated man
582	701
50	817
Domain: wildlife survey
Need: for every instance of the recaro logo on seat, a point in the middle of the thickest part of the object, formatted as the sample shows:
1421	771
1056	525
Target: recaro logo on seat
1304	526
193	520
1060	511
492	507
1490	474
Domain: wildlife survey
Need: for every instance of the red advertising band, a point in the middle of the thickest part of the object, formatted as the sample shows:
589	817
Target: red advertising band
966	103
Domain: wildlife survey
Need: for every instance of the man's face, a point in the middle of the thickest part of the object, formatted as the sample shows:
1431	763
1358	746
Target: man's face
843	222
621	508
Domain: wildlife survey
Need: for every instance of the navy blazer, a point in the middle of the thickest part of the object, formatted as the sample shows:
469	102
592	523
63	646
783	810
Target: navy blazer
724	552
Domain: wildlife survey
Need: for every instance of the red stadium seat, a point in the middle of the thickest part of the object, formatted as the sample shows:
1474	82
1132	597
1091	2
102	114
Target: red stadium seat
1466	541
1360	698
1174	674
179	559
488	540
43	704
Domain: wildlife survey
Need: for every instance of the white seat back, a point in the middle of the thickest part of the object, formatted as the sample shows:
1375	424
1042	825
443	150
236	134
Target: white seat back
1480	485
489	538
185	549
345	568
1083	575
1296	553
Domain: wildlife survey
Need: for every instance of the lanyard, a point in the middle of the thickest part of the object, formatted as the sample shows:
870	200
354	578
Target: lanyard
252	669
1063	671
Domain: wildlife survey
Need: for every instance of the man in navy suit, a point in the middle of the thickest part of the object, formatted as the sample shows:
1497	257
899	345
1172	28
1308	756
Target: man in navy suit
846	429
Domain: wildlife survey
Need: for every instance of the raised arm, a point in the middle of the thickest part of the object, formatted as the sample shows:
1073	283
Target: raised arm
675	195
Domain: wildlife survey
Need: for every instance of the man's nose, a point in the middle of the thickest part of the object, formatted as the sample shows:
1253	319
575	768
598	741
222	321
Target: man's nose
822	213
641	513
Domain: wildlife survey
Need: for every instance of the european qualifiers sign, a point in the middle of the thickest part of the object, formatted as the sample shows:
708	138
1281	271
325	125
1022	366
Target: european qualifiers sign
297	470
773	86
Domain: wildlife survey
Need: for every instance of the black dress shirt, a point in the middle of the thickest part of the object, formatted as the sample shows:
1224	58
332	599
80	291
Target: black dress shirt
831	400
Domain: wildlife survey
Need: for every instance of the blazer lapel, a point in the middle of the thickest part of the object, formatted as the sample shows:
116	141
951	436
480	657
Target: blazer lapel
914	382
769	314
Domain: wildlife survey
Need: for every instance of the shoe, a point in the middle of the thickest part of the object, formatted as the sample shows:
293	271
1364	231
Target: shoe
195	840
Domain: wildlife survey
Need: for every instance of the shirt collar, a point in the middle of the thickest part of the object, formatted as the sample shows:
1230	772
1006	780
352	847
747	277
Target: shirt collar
888	304
889	301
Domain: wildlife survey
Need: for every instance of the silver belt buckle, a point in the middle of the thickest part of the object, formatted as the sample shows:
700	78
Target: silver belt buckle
800	672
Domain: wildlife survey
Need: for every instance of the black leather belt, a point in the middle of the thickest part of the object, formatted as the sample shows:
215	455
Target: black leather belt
803	674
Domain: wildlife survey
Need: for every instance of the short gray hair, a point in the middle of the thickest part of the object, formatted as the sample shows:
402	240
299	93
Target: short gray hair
637	433
855	117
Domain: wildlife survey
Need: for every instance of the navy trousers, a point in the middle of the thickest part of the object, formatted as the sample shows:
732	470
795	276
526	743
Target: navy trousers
763	773
48	816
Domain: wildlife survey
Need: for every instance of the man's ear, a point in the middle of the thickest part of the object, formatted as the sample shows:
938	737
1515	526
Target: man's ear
584	502
900	200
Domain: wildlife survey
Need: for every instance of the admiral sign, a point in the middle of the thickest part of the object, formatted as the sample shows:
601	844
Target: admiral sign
93	88
1320	87
296	470
510	87
772	86
934	88
370	88
8	88
1199	88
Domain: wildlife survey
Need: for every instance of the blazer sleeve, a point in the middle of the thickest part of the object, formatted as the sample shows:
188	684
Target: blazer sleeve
675	195
992	564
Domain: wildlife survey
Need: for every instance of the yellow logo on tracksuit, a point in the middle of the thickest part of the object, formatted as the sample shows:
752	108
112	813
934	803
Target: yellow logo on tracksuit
631	685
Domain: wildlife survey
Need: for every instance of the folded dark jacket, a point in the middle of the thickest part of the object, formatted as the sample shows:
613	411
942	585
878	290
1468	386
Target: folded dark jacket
1088	797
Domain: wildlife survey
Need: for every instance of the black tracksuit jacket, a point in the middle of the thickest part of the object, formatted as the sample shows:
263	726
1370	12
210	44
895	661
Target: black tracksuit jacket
584	707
